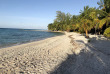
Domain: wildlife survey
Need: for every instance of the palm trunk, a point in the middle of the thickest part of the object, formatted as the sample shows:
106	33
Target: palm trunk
87	34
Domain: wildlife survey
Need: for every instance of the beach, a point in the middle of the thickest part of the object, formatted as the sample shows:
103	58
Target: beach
66	54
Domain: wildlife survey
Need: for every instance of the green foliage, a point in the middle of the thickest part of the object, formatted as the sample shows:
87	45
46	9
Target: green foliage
102	22
89	19
107	32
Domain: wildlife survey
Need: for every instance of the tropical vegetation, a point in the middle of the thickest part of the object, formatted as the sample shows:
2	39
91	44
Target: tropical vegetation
90	20
107	32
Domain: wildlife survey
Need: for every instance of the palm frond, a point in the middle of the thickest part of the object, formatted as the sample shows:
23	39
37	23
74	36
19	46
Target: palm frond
102	22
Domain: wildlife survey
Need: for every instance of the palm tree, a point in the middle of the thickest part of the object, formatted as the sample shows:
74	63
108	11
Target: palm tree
105	19
86	21
95	18
101	4
104	12
104	5
86	25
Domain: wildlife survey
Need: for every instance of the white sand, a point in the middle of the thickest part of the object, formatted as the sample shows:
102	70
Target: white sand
67	54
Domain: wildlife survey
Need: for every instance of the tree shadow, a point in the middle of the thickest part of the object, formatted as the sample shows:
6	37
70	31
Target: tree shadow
65	65
100	44
93	59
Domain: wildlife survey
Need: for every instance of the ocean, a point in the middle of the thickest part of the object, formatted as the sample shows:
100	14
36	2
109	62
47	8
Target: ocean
11	37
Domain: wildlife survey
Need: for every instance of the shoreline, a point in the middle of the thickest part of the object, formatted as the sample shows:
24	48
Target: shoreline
16	44
62	54
57	31
24	43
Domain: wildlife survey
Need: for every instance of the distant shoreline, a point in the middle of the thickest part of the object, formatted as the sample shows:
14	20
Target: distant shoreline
57	31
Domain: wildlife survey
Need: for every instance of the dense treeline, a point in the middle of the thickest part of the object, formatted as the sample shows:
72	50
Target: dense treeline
92	20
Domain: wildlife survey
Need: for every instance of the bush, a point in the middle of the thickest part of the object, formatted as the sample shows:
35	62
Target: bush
107	32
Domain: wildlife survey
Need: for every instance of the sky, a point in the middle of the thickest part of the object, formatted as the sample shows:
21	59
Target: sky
37	14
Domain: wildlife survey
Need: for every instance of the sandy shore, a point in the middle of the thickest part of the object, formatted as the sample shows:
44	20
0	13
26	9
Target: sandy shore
67	54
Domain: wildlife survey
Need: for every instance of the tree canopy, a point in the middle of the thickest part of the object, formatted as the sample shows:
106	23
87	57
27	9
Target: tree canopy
90	20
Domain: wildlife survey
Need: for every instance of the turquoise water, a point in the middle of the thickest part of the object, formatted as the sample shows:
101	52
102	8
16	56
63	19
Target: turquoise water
10	37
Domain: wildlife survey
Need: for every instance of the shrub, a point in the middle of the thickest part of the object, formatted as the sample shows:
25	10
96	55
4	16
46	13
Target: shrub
107	32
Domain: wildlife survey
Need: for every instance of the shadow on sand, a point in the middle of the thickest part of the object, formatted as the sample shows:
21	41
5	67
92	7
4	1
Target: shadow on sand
93	59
